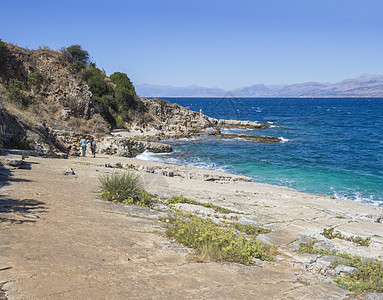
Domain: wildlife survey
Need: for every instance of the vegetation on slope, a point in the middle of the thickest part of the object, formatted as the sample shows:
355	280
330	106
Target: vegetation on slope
115	97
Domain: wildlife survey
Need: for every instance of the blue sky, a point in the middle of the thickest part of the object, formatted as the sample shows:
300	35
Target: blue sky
227	44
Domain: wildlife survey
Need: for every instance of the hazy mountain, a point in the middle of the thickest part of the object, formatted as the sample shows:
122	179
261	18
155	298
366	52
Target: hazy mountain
256	90
365	85
148	90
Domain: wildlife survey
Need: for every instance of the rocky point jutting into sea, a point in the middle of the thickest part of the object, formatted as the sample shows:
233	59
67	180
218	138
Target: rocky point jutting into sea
48	106
59	240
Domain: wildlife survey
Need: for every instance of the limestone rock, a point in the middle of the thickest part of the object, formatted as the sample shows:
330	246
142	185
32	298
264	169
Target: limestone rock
373	296
170	116
12	160
127	147
250	137
237	123
345	270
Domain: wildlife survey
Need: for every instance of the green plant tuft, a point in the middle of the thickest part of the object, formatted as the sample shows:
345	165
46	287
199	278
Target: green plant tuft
124	187
218	242
250	230
331	234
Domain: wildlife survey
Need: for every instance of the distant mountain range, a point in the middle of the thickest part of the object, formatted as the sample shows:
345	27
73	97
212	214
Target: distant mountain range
365	85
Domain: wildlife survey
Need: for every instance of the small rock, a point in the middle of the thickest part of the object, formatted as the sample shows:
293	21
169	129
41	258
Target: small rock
168	173
12	160
71	172
327	260
65	114
342	269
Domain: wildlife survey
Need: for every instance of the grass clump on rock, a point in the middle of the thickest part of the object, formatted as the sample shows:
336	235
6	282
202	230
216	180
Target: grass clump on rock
124	187
218	242
331	234
368	276
181	199
250	230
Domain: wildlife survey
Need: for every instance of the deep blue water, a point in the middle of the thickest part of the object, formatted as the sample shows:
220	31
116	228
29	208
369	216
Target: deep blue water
331	146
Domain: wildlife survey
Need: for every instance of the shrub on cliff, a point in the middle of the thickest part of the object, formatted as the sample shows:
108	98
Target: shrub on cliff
125	94
16	92
127	100
35	80
75	53
122	81
77	57
97	83
3	52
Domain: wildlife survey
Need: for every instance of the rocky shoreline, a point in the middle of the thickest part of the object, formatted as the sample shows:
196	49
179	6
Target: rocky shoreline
65	188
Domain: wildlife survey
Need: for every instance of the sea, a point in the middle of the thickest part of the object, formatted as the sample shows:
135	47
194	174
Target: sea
329	146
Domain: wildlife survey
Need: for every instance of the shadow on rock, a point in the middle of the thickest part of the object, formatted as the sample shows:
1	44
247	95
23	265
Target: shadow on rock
6	176
26	208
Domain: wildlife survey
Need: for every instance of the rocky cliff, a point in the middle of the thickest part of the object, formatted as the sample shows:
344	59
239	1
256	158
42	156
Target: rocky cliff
40	96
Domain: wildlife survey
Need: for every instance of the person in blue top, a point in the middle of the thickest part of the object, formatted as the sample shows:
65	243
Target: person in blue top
83	146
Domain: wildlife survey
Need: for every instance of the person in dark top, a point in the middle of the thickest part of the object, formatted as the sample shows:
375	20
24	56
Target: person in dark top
93	147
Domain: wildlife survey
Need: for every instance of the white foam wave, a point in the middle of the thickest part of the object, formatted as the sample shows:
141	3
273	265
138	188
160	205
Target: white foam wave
149	156
359	198
193	138
284	140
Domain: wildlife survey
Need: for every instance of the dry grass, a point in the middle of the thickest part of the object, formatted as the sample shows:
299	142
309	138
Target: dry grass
25	115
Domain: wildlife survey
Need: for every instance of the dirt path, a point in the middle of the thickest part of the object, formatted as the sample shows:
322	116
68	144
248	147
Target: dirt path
58	241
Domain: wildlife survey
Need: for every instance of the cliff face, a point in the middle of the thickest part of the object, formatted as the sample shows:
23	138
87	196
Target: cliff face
47	79
42	102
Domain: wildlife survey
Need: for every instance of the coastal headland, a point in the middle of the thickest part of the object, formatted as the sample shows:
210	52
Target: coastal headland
59	240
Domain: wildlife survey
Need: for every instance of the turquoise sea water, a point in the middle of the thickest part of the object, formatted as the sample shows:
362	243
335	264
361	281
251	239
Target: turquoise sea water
330	146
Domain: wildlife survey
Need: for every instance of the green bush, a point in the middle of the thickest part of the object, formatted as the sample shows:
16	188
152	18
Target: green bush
218	242
121	80
16	91
75	53
76	67
97	83
124	187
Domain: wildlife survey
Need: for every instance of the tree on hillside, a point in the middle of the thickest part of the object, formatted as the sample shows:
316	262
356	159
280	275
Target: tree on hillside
96	81
75	53
122	81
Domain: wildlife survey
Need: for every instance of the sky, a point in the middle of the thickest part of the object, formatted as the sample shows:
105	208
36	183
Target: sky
210	43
